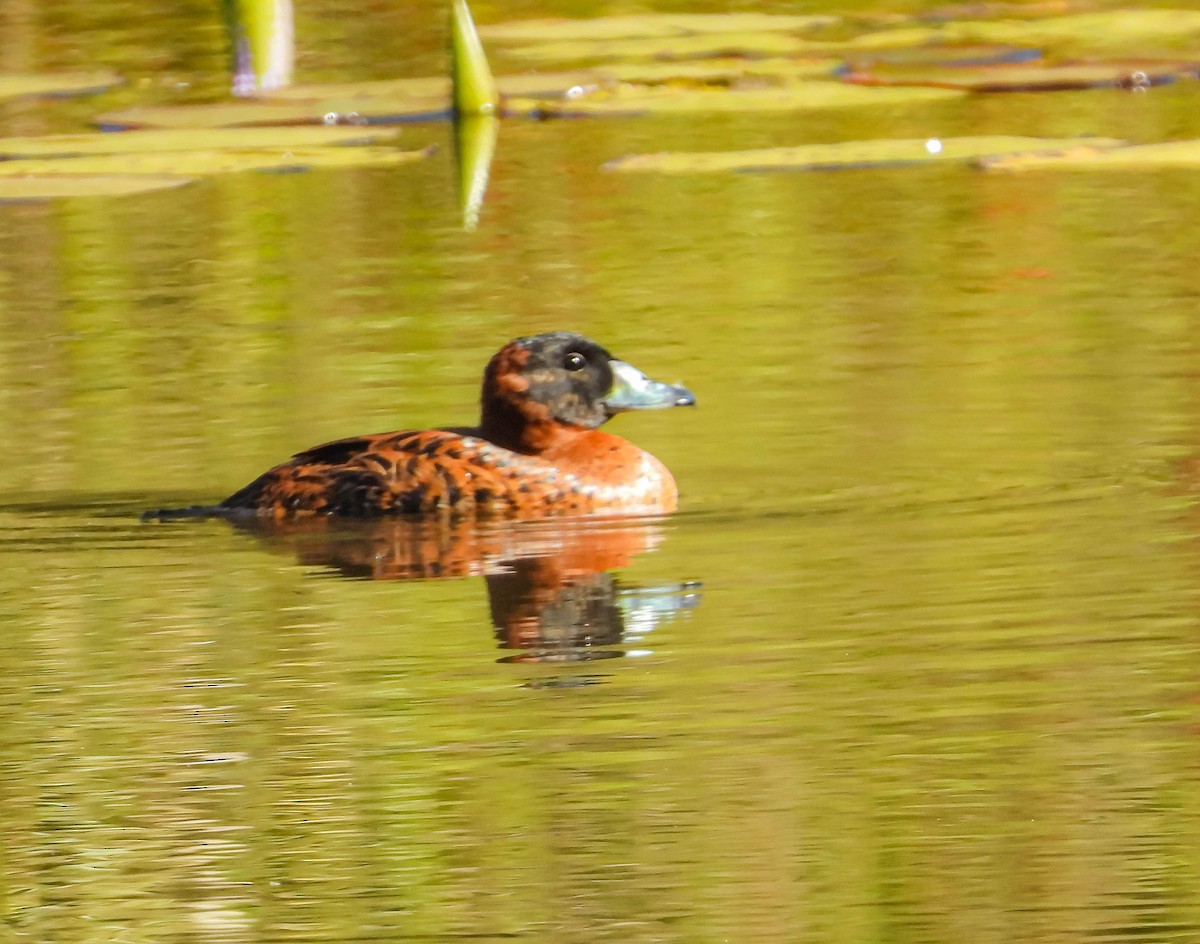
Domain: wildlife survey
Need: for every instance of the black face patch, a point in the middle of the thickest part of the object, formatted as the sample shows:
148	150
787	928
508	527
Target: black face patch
569	375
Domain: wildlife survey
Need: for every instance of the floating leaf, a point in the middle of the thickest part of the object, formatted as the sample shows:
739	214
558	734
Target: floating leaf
892	39
1139	157
244	114
22	84
34	189
1030	76
427	88
974	54
648	26
1123	32
220	115
203	162
658	48
720	71
803	96
851	154
143	142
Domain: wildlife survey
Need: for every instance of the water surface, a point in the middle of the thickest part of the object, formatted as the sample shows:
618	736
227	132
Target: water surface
918	660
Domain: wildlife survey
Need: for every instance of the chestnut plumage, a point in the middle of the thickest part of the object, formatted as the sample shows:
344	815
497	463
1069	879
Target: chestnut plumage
537	450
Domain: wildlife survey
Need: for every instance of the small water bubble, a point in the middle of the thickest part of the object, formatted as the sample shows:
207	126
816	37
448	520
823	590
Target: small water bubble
1137	81
575	91
332	118
933	146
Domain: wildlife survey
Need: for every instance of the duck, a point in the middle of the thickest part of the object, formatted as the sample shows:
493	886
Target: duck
537	450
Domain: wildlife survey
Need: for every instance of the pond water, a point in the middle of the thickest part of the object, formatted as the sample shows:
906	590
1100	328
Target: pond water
918	659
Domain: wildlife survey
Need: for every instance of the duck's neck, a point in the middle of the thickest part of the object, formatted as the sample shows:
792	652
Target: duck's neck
526	427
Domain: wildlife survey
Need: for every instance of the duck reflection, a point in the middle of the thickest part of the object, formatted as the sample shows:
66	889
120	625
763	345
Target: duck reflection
550	591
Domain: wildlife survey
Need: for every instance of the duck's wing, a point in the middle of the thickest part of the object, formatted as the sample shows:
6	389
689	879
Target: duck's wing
408	472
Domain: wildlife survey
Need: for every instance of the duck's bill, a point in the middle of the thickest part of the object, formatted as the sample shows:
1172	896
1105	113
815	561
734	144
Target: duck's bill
633	390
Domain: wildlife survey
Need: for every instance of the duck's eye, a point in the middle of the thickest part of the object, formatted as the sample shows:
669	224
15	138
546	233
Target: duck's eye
574	361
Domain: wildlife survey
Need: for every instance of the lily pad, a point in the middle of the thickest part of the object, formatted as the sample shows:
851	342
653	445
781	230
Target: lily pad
1123	32
212	161
850	155
893	39
648	25
973	54
144	142
38	189
665	48
1138	157
1030	76
249	114
428	88
25	84
803	96
720	71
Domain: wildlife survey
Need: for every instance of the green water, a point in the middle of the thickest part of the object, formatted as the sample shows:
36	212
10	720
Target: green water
918	660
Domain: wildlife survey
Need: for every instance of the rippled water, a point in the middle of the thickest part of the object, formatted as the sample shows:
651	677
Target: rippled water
918	660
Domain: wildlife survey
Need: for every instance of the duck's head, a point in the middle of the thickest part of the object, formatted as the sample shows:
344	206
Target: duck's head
537	388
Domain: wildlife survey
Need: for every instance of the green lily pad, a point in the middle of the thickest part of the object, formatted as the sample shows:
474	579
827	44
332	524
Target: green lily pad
648	25
212	161
239	114
1029	76
893	39
144	142
851	154
959	56
1120	32
720	71
803	96
660	48
37	189
24	84
1139	157
429	88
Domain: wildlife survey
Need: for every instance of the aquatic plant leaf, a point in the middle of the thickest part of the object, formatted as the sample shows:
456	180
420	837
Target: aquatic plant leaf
23	84
648	25
1137	157
36	189
205	162
720	71
909	37
959	55
427	88
188	139
252	114
1121	32
1029	76
474	89
802	96
666	48
240	114
850	154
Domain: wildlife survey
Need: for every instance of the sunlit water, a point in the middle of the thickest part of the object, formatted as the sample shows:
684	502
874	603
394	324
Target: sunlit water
918	660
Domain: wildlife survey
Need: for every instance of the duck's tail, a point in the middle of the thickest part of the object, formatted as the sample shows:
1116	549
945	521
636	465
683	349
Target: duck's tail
180	514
